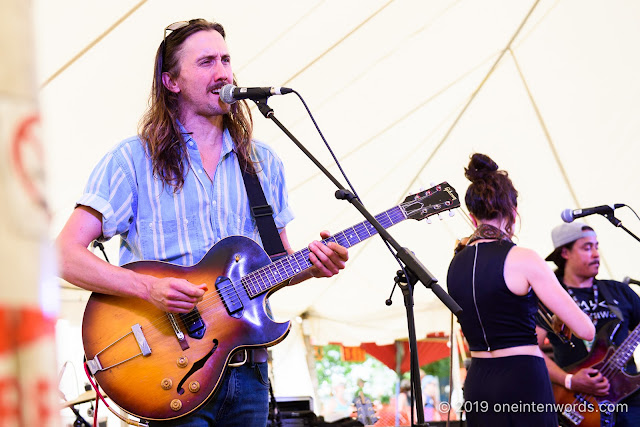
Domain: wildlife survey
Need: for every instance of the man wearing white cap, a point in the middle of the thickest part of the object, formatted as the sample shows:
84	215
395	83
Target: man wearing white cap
606	302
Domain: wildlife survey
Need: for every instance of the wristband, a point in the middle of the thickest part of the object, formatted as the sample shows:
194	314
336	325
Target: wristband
567	381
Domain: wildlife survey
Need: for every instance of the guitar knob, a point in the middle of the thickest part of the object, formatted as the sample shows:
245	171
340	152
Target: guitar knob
194	386
182	362
166	384
175	405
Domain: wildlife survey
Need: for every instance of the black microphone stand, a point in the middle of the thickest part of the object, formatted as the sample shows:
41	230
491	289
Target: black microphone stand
413	266
616	222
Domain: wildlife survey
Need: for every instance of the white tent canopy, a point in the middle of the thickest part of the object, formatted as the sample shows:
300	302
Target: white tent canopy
404	92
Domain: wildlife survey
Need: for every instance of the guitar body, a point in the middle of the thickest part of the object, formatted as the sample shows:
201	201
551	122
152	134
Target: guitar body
177	376
160	366
621	384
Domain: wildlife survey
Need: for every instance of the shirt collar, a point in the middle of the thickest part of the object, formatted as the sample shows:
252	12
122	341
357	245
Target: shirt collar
227	141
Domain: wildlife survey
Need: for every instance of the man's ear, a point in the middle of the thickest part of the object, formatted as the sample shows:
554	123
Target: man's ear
170	83
564	253
474	221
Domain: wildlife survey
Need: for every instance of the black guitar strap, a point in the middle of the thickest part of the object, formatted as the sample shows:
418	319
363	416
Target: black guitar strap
263	214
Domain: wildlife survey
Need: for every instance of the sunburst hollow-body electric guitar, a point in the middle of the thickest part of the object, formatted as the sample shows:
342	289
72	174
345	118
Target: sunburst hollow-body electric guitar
157	365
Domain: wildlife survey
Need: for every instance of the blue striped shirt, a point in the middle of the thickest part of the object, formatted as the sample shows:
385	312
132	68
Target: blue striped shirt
155	223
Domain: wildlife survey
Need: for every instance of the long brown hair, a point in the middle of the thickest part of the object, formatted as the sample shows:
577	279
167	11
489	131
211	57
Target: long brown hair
491	193
159	129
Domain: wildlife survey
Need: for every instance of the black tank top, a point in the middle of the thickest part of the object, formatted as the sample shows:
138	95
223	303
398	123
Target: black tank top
493	317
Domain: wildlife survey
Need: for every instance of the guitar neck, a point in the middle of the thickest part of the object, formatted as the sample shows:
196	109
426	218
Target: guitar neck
623	353
285	268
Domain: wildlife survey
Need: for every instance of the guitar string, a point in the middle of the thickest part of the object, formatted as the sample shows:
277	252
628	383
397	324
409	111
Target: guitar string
261	275
213	304
254	283
614	364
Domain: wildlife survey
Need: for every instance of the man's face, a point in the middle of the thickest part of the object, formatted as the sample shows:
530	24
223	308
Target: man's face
205	66
583	258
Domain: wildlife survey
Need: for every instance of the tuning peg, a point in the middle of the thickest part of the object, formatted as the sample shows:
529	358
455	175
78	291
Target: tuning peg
452	213
429	220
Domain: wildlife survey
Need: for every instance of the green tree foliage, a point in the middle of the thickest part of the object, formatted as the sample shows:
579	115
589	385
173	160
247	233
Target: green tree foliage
439	368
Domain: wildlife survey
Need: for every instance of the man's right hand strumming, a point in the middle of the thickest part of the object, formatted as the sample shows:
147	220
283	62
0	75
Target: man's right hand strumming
590	381
174	295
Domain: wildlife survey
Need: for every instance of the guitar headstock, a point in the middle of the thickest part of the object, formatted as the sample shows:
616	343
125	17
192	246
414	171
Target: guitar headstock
439	198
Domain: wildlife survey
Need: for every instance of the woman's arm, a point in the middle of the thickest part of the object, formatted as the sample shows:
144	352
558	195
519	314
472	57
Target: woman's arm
524	268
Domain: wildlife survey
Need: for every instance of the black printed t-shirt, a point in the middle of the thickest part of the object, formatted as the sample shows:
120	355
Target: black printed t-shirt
622	296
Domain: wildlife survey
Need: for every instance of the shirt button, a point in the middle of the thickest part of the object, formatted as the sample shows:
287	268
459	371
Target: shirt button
191	143
199	170
214	203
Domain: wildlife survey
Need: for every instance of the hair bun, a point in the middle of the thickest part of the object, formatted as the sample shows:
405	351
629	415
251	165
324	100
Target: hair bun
479	167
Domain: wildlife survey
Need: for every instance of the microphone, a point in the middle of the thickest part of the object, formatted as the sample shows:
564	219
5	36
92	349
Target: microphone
230	93
569	215
627	280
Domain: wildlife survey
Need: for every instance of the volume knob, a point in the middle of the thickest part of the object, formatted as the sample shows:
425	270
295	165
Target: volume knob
176	405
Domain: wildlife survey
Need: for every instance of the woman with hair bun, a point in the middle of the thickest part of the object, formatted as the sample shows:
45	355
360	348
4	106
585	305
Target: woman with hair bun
498	284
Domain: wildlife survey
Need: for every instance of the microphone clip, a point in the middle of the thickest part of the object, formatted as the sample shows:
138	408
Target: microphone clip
612	219
266	111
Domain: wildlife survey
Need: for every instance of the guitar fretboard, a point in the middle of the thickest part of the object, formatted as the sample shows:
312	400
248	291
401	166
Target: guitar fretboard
285	268
623	353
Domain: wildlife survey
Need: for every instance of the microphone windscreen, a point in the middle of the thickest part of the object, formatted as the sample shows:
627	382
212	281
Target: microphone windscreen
226	94
567	215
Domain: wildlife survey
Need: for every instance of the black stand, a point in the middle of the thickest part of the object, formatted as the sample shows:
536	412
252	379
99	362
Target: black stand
79	422
413	266
615	221
406	285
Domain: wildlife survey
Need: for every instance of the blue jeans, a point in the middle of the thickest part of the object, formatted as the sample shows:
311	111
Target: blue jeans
242	401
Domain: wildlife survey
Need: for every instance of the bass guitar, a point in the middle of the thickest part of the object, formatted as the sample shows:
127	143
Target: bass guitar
158	366
585	410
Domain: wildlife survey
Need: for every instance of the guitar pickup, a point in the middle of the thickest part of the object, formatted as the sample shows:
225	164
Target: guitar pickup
194	323
229	296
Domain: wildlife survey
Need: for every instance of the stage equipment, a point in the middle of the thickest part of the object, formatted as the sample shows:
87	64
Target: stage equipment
569	215
409	263
230	93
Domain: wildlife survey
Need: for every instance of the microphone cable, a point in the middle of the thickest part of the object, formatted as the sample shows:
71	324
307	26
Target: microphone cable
395	256
100	246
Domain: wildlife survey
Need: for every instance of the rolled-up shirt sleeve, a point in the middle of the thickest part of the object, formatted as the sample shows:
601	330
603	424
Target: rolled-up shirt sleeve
110	192
276	189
